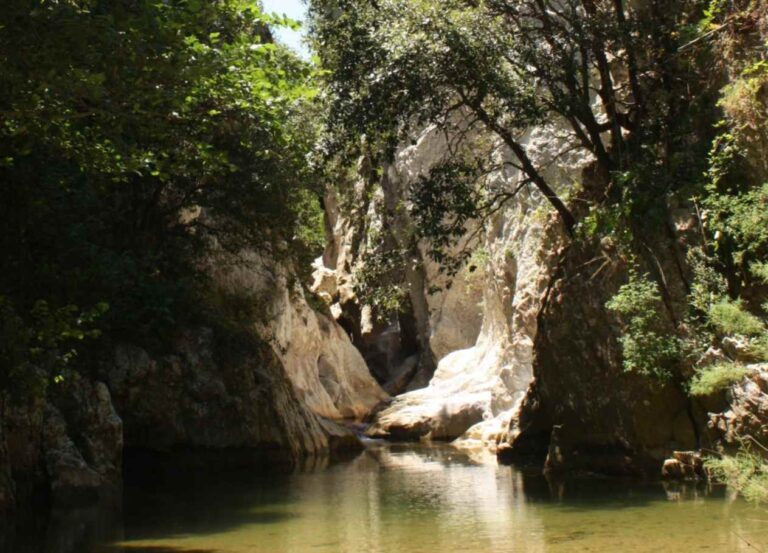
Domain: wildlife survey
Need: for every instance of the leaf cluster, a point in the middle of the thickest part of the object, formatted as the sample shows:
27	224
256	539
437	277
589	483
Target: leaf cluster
649	346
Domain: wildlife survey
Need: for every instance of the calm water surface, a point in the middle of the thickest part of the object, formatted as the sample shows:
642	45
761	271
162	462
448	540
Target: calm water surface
413	499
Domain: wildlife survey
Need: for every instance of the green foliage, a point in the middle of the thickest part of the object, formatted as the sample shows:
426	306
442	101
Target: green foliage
135	138
444	203
758	348
736	218
709	285
309	235
381	282
396	66
716	378
649	346
730	318
742	220
744	102
607	221
478	262
760	270
746	472
715	10
38	347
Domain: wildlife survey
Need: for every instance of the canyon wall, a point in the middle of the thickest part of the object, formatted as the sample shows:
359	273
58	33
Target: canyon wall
526	356
478	327
272	391
584	411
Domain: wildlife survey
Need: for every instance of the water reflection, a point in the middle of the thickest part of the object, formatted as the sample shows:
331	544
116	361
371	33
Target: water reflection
405	499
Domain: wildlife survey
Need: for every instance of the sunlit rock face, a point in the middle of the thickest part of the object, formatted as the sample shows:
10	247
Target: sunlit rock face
328	373
526	353
482	329
746	413
364	221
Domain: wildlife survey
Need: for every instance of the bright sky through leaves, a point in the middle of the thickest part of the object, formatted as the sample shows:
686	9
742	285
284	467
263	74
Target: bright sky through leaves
295	9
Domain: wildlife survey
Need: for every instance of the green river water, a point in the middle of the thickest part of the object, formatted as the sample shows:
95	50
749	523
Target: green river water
417	499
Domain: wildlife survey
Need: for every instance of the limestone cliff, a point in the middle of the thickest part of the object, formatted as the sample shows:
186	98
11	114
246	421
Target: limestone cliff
745	413
584	411
478	327
526	353
328	373
262	389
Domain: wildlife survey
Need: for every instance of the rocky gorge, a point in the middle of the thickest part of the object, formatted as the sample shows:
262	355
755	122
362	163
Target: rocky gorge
502	342
515	354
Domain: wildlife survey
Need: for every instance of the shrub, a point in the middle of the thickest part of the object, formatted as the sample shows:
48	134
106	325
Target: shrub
717	377
648	344
760	270
730	318
746	472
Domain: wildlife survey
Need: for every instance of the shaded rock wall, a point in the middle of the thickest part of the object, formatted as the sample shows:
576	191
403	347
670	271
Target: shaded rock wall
68	448
584	410
7	498
261	389
590	413
212	392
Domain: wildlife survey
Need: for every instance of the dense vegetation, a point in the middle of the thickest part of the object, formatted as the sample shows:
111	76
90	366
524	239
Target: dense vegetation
137	137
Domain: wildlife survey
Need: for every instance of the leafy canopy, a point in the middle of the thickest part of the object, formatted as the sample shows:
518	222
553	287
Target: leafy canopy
135	137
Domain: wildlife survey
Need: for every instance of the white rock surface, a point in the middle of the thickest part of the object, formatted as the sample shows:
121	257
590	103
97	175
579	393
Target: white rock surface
479	383
327	372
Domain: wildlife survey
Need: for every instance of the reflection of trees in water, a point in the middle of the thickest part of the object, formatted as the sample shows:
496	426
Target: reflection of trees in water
419	496
389	498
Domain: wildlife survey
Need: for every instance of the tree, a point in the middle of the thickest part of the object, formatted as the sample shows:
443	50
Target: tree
609	70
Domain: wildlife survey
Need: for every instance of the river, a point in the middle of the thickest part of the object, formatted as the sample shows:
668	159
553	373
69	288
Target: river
401	499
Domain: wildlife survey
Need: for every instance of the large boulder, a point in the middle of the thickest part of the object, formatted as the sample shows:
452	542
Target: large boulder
588	411
213	391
